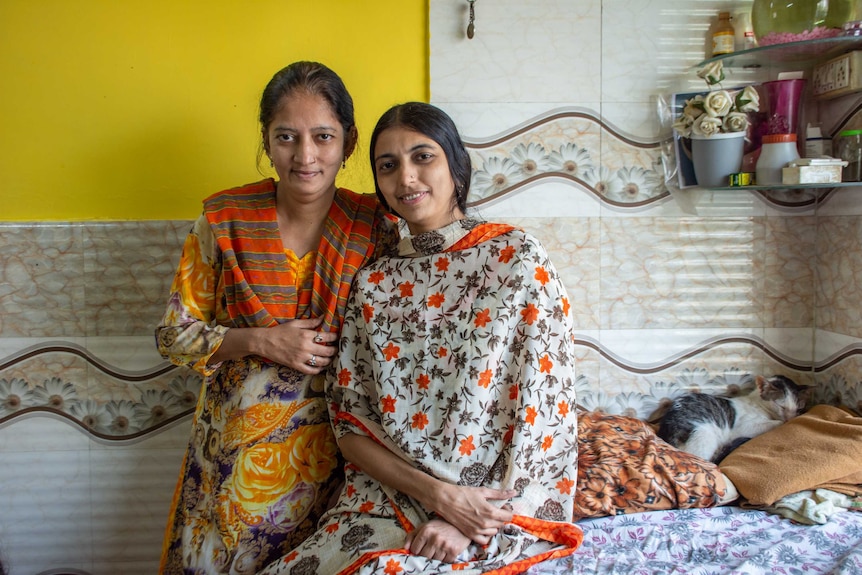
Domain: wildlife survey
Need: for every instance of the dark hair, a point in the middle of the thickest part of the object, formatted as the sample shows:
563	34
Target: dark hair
314	78
433	122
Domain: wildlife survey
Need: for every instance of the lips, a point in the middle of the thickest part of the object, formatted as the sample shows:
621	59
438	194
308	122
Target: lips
409	198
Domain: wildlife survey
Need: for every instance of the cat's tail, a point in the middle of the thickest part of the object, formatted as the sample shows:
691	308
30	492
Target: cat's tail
725	449
656	416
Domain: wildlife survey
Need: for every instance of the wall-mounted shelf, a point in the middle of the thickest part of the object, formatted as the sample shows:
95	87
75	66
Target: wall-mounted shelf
763	60
799	53
786	187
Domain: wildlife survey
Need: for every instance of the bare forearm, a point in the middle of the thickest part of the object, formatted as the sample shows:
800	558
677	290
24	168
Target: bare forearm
238	342
391	470
469	509
297	343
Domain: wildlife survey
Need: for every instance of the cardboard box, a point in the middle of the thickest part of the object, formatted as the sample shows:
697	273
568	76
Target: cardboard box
811	174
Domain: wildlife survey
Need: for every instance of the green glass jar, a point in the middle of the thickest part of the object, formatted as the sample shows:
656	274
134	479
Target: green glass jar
782	21
849	148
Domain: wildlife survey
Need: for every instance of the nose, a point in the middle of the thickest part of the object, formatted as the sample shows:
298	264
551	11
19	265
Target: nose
406	175
305	151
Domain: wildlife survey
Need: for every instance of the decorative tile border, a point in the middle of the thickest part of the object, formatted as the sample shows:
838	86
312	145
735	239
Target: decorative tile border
153	401
725	366
104	402
571	145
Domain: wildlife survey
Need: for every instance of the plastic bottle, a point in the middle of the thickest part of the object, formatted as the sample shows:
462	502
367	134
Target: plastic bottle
816	144
723	37
744	32
775	153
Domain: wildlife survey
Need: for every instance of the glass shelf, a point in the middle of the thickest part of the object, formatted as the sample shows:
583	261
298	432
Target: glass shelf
784	187
804	52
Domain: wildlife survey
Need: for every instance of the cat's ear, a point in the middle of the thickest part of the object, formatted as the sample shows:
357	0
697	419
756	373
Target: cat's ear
761	383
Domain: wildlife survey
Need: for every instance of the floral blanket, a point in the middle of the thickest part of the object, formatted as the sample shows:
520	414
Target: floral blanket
719	540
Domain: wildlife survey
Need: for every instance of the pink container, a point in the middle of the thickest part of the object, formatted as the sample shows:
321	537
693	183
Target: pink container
783	108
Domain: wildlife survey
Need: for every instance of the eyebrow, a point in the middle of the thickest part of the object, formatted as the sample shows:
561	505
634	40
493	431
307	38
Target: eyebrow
313	129
411	150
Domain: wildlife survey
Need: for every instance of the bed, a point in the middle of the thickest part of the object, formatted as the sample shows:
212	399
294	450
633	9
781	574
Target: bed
648	509
710	541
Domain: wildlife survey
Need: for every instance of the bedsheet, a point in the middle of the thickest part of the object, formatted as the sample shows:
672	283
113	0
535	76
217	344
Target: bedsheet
711	541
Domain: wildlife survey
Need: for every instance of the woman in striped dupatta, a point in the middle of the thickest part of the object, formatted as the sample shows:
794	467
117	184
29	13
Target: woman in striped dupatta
452	394
255	306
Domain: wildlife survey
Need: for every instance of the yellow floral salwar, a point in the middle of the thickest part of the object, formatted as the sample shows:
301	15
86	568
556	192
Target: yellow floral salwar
262	464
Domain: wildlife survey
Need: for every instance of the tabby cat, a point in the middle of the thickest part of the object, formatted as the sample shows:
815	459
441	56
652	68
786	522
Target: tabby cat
711	426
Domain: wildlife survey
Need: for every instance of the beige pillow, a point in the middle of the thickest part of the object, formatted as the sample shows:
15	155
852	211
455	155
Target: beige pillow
819	449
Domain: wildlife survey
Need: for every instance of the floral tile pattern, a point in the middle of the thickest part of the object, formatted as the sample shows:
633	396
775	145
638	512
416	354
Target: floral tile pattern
573	146
105	408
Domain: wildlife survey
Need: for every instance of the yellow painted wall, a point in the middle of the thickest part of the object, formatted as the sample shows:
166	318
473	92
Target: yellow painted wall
138	109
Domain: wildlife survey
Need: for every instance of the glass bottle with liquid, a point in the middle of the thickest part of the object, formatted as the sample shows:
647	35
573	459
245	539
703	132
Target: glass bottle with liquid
723	37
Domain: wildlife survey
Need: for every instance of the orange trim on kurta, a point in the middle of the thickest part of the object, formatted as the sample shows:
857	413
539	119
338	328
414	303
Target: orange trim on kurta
175	501
481	233
406	524
349	417
366	557
563	533
567	534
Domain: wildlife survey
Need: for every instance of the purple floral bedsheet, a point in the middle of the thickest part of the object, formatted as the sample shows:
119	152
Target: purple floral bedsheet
710	541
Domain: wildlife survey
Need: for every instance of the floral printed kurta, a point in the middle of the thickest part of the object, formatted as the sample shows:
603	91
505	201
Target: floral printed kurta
462	364
262	464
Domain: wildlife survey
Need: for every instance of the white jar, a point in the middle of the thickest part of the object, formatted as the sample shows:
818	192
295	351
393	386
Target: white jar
775	153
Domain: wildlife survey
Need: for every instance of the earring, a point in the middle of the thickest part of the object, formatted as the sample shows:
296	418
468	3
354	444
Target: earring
270	162
344	163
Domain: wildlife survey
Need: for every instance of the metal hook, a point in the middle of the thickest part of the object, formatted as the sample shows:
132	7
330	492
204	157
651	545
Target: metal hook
470	27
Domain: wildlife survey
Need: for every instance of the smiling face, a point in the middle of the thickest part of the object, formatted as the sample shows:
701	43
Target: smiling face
307	145
412	172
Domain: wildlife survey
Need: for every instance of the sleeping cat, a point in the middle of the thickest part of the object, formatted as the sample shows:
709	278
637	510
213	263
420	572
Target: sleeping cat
711	426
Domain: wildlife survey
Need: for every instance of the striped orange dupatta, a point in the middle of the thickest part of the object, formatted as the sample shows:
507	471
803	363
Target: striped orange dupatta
255	268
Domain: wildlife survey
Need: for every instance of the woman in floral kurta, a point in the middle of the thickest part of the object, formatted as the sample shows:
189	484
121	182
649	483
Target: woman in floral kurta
253	306
454	381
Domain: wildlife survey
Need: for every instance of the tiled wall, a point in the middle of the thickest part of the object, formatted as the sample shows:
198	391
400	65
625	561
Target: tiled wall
93	423
671	290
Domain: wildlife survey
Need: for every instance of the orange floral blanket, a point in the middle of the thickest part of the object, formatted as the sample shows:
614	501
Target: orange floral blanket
624	467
